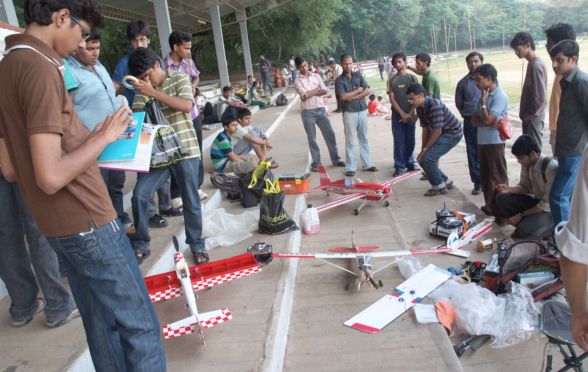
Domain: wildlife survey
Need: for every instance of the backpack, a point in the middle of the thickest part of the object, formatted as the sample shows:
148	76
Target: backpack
228	183
281	100
525	258
544	164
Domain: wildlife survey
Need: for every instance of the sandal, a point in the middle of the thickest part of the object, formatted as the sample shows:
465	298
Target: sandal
140	256
200	258
435	192
274	164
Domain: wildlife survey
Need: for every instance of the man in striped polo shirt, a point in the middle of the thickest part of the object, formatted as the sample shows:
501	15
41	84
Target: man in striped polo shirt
441	132
174	93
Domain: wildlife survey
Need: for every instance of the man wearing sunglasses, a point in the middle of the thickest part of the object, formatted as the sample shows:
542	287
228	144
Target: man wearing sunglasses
52	156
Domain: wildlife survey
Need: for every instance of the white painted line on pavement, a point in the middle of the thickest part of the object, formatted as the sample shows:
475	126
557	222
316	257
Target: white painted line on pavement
277	338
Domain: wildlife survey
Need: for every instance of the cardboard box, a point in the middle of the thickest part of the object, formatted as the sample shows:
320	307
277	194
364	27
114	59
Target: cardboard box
294	183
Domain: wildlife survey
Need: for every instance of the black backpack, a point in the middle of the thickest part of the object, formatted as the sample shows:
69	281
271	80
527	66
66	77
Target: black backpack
281	100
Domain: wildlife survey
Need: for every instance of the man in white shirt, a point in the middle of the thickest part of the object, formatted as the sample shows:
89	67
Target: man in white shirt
311	88
572	240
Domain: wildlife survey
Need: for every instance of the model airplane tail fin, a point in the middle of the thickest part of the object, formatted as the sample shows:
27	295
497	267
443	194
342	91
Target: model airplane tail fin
188	325
325	179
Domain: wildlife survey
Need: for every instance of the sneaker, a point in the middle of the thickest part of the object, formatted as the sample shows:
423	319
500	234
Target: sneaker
172	212
202	194
142	256
75	313
477	190
157	222
435	192
177	203
314	168
350	173
371	169
40	308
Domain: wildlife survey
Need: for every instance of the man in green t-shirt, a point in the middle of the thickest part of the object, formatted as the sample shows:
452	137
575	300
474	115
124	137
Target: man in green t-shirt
403	128
430	81
173	91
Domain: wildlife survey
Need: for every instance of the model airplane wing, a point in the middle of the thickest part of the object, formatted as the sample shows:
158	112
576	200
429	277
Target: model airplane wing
340	201
187	325
401	178
166	286
374	318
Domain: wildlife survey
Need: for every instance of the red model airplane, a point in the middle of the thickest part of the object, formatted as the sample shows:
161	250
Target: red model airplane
185	280
368	191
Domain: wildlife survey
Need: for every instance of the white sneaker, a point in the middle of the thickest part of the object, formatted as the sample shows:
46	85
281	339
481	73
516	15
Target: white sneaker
203	195
177	203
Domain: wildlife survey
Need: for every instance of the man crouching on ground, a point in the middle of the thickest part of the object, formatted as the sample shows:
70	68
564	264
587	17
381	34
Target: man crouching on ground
441	132
52	156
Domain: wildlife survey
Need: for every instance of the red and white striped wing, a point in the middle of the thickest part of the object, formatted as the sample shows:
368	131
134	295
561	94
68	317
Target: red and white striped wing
187	325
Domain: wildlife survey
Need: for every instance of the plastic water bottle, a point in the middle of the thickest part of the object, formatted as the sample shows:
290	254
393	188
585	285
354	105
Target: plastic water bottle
348	181
310	221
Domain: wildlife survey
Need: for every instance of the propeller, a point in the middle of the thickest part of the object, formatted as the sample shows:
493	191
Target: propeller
176	243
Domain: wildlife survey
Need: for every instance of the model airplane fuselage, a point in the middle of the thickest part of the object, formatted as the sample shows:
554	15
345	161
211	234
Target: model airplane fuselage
361	257
185	280
370	192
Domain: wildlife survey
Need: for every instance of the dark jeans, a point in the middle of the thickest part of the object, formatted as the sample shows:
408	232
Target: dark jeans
266	81
493	170
115	182
318	117
430	162
122	330
538	225
470	134
15	262
404	143
198	128
186	175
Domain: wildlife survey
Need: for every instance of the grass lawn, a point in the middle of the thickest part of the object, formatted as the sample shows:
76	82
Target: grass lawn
510	71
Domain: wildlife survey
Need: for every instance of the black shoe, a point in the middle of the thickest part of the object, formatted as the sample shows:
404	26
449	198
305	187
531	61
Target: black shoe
142	256
397	172
339	164
157	222
371	169
412	168
477	190
350	173
314	168
172	212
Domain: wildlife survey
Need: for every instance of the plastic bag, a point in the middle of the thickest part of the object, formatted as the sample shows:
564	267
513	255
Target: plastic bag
408	266
273	218
222	229
509	318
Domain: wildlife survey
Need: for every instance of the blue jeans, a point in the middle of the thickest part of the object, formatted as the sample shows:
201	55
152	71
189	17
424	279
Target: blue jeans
430	162
319	117
560	195
121	327
356	124
185	173
15	262
115	182
198	128
294	73
266	81
404	143
471	139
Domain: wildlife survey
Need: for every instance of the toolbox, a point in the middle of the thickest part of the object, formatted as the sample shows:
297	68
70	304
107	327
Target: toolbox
294	183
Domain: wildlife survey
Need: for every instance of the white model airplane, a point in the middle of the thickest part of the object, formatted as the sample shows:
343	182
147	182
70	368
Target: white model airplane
185	280
361	257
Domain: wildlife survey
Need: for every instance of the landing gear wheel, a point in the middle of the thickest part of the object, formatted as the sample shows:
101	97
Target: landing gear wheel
386	203
356	212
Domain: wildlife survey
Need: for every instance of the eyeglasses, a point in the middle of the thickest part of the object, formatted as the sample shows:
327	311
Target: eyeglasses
85	30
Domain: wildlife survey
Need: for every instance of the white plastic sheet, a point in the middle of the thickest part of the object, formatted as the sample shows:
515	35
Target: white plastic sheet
222	229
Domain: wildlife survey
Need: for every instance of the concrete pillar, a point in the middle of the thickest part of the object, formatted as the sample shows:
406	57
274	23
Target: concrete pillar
164	27
7	12
219	43
245	43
